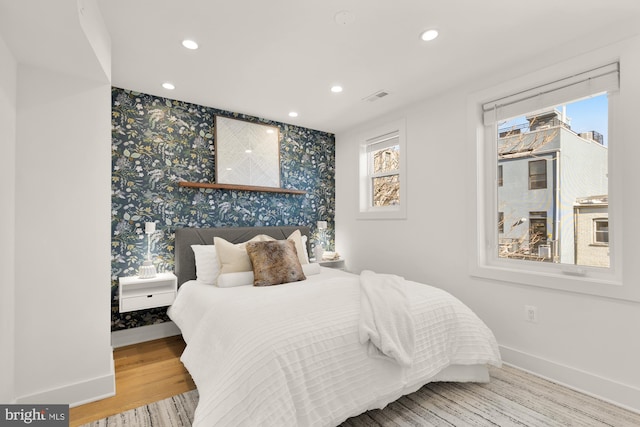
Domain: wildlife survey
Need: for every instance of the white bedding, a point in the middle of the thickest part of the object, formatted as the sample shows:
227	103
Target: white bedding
290	355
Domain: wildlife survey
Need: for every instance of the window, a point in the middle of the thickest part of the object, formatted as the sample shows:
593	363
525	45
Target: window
601	231
555	140
384	171
537	174
382	165
563	150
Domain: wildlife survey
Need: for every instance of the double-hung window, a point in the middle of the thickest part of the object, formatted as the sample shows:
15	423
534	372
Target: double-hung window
537	174
601	231
382	177
540	151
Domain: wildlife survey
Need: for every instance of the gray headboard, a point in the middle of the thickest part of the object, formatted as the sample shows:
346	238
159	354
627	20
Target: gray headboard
185	264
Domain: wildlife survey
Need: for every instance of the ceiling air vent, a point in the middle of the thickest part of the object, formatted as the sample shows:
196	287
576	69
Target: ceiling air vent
375	96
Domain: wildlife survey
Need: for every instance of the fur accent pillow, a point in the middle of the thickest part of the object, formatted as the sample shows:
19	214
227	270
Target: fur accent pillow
274	262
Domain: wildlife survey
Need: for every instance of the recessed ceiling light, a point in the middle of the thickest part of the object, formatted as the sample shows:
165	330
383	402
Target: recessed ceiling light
336	89
344	17
293	114
189	44
429	35
168	86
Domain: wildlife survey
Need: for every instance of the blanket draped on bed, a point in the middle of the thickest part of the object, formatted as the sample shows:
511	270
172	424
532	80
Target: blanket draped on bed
386	325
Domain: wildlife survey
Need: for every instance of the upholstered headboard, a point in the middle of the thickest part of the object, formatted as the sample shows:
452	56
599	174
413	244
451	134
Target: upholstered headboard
185	264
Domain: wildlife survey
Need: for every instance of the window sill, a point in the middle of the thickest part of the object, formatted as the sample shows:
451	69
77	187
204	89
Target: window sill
568	278
382	213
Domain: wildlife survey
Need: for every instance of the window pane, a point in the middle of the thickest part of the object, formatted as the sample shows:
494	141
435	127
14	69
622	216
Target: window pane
386	159
562	154
386	190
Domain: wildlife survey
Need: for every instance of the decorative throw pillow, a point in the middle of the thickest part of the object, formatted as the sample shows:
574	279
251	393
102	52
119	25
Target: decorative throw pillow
207	264
274	262
233	257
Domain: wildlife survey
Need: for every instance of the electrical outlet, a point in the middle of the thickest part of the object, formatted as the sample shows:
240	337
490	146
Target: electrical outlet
531	313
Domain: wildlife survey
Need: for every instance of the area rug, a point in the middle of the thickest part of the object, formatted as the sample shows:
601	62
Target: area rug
176	411
512	398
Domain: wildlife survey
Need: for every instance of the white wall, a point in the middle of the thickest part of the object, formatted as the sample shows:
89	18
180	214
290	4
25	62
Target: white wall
63	159
588	342
58	134
8	82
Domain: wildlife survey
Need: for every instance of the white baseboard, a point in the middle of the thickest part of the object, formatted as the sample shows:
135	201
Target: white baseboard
617	393
78	393
143	333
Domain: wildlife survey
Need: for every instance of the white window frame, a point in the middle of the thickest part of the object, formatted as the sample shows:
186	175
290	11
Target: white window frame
484	261
366	210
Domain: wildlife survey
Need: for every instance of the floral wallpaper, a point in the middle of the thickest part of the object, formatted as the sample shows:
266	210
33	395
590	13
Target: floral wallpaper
158	142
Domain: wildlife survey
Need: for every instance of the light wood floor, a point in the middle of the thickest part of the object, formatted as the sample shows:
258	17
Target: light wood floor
145	373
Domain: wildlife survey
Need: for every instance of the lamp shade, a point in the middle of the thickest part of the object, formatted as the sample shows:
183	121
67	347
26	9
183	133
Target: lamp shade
150	227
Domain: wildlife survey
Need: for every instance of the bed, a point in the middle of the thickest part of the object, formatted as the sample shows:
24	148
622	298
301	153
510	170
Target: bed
316	350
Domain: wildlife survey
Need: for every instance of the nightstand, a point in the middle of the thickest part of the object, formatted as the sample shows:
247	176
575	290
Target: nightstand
140	294
335	263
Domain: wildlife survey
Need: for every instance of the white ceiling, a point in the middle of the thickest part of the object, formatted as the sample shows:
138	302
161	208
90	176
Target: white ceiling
266	58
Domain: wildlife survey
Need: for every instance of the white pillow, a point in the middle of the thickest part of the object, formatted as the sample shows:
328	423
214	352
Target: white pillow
304	250
301	247
245	278
311	268
207	265
238	278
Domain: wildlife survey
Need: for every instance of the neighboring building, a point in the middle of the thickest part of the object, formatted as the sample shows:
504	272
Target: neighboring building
541	173
592	231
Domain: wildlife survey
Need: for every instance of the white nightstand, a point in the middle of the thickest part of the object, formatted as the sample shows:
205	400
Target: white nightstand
336	263
140	294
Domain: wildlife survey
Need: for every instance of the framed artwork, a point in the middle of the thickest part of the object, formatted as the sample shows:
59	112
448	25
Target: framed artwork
247	153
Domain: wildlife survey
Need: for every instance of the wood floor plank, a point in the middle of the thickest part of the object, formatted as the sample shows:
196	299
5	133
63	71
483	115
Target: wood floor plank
145	373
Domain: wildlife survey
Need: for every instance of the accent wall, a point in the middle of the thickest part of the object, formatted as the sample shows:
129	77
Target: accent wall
158	142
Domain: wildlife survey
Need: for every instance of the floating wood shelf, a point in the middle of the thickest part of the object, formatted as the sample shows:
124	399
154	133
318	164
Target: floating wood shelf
240	187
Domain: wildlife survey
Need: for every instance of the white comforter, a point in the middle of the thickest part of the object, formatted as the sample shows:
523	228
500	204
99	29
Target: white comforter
290	355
